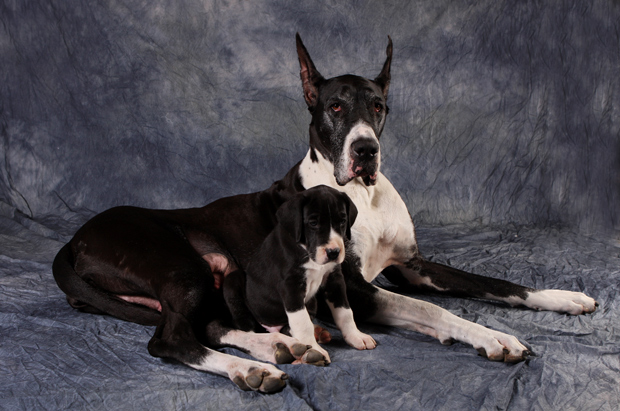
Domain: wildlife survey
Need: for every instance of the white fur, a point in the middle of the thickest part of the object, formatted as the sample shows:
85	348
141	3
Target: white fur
316	274
343	317
383	233
231	366
560	300
259	345
427	318
335	240
302	329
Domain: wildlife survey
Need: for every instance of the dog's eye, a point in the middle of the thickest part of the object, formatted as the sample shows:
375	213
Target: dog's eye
336	107
313	223
378	107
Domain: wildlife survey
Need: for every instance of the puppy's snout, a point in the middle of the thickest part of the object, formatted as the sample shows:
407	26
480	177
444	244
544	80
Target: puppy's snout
332	253
365	149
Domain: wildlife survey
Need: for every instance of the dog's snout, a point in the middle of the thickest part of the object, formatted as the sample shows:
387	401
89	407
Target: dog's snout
365	149
332	253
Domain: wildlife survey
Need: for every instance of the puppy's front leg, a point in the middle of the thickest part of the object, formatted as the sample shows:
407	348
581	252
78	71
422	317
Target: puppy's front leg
300	323
336	296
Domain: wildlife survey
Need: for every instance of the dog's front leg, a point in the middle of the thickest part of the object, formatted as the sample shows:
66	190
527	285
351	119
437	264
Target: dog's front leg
405	312
299	321
336	296
302	329
452	281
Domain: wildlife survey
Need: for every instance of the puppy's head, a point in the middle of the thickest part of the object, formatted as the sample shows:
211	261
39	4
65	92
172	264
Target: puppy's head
319	219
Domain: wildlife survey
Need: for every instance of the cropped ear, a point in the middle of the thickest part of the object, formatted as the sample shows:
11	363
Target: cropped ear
383	79
351	214
310	77
290	216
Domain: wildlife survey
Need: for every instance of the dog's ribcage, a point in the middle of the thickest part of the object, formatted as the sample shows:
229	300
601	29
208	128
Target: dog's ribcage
383	233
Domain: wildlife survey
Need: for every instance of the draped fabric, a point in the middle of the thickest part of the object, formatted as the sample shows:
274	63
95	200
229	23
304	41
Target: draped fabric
503	138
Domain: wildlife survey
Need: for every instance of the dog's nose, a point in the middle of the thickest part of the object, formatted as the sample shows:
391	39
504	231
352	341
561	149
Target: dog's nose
365	149
332	253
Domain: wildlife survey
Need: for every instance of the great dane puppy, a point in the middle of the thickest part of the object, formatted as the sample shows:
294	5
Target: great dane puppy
165	267
299	258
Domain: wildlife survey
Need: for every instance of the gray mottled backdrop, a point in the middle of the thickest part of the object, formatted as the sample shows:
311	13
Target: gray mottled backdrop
503	138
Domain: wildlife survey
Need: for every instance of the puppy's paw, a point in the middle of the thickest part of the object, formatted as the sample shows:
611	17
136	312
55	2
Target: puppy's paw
360	340
321	335
314	355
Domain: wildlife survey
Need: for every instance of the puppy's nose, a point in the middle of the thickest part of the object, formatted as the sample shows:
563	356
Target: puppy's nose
365	149
332	253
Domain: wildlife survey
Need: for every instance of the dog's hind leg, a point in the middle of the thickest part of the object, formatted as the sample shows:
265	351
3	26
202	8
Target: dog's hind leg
90	299
443	279
233	289
174	338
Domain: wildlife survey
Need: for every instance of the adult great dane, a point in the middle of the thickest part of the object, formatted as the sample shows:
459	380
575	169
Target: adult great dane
165	267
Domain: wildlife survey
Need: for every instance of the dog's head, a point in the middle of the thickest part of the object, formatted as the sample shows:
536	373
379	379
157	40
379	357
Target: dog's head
319	219
348	115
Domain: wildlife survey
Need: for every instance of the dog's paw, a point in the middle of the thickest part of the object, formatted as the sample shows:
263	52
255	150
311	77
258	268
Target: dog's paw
360	341
262	378
321	335
503	347
313	355
561	301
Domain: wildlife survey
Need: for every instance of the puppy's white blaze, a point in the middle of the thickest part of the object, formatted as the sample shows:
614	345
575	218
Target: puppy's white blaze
335	241
301	326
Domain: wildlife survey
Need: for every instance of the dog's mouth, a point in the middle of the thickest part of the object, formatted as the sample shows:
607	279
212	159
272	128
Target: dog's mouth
367	173
368	177
364	155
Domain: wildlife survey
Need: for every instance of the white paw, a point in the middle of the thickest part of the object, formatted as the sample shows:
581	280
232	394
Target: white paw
254	376
503	347
315	355
561	301
276	348
360	340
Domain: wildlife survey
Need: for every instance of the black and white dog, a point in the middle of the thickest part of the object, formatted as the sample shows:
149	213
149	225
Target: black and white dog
302	254
165	267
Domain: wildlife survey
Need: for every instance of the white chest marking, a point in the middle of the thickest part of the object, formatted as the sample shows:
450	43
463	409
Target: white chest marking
383	233
316	274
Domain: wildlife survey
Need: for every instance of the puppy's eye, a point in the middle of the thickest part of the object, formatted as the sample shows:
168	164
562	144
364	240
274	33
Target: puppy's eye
336	107
313	223
378	107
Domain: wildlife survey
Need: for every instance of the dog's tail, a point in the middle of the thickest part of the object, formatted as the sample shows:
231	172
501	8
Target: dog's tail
87	298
